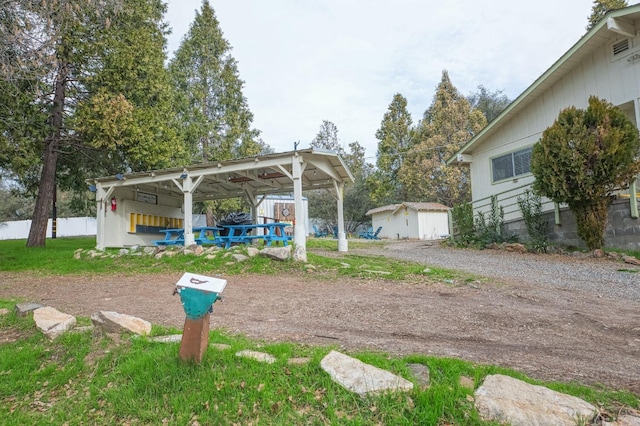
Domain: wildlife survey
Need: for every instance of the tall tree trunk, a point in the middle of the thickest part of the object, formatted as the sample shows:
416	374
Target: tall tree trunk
38	230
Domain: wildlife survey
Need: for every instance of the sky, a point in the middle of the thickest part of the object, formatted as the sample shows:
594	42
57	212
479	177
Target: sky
305	61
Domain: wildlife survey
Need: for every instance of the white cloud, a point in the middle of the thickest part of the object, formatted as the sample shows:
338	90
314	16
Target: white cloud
343	60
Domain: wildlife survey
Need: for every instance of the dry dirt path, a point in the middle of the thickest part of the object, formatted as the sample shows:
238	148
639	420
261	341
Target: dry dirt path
550	331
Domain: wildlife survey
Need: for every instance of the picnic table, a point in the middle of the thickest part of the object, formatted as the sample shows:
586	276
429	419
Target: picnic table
274	231
226	235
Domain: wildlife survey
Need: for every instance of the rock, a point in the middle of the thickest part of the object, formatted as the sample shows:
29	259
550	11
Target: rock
614	255
276	253
210	256
258	356
345	265
421	373
113	322
198	251
22	309
123	252
624	420
508	400
361	378
4	311
598	253
516	247
149	250
238	257
53	322
631	260
77	255
171	338
493	246
252	251
134	248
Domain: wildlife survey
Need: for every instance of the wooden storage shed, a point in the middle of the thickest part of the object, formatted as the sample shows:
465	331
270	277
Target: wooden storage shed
423	221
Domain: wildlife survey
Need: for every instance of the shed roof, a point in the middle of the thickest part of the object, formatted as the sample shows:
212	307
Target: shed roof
265	174
620	21
433	207
410	205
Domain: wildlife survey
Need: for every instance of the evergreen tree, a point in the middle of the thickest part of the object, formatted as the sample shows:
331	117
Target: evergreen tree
448	124
58	125
490	103
215	116
601	7
327	138
582	159
394	139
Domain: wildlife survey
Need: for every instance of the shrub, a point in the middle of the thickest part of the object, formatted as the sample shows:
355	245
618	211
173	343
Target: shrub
531	209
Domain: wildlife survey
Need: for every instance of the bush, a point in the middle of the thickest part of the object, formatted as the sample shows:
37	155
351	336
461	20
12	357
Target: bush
531	209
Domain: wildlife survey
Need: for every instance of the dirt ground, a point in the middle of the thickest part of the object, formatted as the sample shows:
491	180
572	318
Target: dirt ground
549	334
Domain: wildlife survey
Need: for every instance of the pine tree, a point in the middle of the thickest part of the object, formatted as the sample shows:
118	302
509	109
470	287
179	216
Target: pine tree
327	138
448	124
394	139
601	7
215	116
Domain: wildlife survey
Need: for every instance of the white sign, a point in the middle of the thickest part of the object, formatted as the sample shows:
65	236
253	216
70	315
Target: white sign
201	282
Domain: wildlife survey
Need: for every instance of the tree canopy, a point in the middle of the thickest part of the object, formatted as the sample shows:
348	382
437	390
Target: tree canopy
86	92
448	124
213	113
394	139
600	8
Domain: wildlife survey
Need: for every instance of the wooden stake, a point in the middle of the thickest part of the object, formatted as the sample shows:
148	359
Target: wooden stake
195	339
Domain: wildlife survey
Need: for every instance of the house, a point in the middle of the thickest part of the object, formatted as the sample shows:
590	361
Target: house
605	62
423	221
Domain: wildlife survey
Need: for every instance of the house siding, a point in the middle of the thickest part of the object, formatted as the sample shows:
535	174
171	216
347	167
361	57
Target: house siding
596	74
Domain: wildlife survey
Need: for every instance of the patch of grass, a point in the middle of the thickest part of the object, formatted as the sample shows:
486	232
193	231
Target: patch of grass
88	378
58	259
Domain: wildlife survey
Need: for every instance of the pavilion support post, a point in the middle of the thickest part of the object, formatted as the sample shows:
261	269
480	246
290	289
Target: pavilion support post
299	231
188	212
343	245
102	197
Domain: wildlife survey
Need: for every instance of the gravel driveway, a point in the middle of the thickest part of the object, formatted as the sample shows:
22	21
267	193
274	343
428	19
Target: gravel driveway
602	276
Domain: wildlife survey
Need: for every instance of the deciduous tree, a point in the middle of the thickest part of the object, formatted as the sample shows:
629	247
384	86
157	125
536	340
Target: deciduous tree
582	159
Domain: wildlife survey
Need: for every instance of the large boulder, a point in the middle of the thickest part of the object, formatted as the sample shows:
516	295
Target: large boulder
361	378
113	322
512	401
53	322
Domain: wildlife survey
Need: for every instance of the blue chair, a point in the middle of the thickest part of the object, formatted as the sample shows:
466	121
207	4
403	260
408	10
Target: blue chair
318	233
372	235
366	233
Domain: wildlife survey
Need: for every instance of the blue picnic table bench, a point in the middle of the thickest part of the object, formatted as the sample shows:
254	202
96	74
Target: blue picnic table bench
225	236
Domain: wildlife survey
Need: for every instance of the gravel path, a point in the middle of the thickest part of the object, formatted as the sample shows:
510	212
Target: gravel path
609	278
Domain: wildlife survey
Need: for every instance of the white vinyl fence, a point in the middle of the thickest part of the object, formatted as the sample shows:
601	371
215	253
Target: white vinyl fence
67	227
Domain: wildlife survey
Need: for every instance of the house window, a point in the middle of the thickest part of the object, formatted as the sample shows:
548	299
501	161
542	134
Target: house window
511	165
